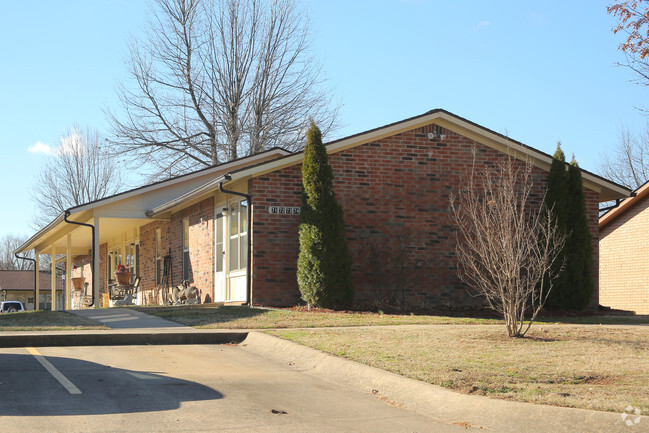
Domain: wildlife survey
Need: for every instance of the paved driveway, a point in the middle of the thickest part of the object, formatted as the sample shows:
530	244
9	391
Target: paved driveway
182	388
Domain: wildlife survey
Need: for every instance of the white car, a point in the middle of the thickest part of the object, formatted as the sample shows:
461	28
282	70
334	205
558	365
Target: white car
11	307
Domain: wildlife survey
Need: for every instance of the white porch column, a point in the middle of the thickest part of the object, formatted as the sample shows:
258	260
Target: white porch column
53	278
37	266
96	275
68	272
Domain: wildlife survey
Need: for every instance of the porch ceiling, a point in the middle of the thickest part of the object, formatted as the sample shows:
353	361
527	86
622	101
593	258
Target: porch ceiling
110	231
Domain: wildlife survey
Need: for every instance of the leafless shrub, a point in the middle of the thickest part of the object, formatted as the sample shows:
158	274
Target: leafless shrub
507	241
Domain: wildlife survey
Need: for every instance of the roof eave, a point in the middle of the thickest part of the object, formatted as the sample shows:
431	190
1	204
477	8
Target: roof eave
627	204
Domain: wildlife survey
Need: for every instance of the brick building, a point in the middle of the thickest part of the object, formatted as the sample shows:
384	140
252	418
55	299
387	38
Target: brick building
18	285
232	230
624	243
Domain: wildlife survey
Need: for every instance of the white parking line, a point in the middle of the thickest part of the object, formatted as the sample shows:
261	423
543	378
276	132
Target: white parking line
54	372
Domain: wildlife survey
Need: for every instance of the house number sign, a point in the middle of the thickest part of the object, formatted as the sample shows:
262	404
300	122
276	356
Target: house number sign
284	210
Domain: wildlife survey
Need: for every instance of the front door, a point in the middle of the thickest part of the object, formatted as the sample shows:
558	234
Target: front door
219	255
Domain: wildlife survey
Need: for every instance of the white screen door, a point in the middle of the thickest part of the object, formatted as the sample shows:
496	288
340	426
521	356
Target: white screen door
219	255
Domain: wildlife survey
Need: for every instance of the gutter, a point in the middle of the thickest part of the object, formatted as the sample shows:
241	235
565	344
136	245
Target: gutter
36	272
92	256
248	197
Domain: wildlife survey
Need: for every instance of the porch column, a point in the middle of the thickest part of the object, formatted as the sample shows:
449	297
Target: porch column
68	272
37	293
96	275
53	278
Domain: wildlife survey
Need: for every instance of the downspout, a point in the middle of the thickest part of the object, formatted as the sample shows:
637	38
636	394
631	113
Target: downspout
249	255
92	256
36	271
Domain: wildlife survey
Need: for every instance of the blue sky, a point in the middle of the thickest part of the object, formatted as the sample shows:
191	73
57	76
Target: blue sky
536	71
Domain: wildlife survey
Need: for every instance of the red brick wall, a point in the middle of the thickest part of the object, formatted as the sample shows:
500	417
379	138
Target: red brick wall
201	247
147	251
395	194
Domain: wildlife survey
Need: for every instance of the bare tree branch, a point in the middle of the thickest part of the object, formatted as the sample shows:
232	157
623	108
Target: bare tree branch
81	171
217	80
628	163
507	241
8	261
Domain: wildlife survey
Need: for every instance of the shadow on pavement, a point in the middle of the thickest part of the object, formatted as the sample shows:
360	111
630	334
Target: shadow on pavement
28	389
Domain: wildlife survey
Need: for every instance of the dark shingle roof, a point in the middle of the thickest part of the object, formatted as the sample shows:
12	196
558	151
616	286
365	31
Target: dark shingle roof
24	280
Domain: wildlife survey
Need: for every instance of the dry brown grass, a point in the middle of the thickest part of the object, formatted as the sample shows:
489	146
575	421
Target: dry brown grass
591	367
46	321
235	317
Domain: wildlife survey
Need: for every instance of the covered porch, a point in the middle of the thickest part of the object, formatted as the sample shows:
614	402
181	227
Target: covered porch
81	241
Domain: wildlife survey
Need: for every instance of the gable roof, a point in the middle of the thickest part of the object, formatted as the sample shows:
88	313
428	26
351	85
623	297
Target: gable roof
24	280
181	183
625	205
608	190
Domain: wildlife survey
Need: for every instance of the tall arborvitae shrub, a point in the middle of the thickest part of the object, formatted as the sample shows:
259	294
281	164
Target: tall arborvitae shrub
557	199
573	287
324	264
579	248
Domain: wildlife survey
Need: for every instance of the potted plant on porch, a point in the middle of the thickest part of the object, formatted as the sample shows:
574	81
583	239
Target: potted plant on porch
122	276
77	282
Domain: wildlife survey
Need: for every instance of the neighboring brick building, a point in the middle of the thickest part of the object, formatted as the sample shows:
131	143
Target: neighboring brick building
393	182
18	285
624	247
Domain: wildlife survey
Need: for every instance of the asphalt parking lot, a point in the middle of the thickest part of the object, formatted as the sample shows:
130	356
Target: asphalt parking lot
179	388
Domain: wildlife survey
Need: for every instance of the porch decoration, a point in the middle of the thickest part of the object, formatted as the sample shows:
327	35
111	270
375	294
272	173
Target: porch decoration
122	276
77	283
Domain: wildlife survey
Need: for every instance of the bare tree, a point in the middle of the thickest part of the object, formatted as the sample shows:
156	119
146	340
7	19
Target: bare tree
8	261
633	20
507	242
628	163
79	172
216	80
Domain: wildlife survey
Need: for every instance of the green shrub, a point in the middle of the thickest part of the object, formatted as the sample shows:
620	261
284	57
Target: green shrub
324	263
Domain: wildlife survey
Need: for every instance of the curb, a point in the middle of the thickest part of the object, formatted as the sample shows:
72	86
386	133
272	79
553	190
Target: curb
121	339
475	412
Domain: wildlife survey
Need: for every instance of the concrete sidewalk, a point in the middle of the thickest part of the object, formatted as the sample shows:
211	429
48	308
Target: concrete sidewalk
128	318
128	327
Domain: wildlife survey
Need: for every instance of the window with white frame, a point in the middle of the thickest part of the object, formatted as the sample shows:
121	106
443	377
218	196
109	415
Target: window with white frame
238	235
186	263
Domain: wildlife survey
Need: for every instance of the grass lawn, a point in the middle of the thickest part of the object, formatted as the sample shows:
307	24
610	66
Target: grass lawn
242	317
235	317
592	367
45	321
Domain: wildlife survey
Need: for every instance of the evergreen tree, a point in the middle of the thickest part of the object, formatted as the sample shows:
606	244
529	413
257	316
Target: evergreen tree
574	286
557	199
324	263
579	248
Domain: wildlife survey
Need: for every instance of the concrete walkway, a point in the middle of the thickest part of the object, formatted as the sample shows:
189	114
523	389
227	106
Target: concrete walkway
128	318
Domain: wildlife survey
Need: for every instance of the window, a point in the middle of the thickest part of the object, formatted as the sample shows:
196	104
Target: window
133	260
239	236
158	257
186	264
114	260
